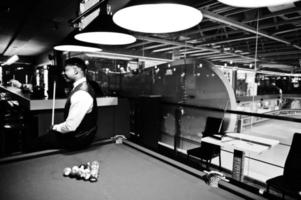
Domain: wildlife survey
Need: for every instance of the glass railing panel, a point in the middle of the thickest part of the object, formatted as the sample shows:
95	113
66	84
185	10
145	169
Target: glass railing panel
271	162
259	166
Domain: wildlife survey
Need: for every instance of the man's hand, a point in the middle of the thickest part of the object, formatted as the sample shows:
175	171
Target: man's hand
27	87
15	83
50	129
54	129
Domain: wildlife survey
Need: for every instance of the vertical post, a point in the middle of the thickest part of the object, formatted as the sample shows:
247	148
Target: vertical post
38	78
26	79
53	103
178	115
45	82
1	76
239	124
238	165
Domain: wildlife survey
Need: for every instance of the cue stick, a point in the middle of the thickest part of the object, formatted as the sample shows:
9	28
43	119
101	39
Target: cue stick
53	102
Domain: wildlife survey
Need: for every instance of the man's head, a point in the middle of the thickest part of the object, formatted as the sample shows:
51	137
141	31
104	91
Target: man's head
74	69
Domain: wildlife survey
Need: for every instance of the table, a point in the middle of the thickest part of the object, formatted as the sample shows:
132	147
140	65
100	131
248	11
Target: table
241	143
127	171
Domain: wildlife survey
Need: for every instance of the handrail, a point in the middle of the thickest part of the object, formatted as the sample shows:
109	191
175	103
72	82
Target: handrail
228	151
274	112
233	111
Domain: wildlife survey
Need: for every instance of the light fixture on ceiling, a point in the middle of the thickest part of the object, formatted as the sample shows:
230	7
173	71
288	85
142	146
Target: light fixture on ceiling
76	48
255	3
105	38
11	60
69	44
158	16
104	31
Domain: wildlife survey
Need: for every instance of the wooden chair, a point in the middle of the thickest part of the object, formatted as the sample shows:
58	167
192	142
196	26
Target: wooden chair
290	182
208	151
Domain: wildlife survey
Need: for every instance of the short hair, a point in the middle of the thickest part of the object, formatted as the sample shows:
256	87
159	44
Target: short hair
77	62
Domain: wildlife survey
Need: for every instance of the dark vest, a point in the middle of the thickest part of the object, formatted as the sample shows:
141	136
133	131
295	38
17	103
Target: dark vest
87	127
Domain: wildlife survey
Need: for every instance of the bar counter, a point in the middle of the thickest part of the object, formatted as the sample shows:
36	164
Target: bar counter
35	104
113	113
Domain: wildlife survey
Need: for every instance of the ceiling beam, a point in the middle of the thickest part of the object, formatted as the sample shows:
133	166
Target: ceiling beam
184	51
284	22
238	11
203	29
274	14
262	27
183	44
235	60
202	54
170	42
137	44
232	23
280	53
154	46
166	49
237	39
285	57
287	31
222	56
129	54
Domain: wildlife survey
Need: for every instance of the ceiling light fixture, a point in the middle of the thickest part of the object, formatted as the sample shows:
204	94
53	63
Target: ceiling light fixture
76	48
255	3
157	16
11	60
105	38
104	31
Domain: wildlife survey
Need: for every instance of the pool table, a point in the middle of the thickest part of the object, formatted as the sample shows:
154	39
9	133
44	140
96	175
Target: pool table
127	172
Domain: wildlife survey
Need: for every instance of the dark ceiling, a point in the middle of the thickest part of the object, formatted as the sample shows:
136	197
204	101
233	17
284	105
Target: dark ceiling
226	34
31	27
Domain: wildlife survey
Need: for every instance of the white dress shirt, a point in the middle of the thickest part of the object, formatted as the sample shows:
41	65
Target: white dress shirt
81	104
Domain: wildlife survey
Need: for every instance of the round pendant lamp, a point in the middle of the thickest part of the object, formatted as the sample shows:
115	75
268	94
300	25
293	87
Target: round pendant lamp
69	44
157	16
76	48
255	3
106	38
103	31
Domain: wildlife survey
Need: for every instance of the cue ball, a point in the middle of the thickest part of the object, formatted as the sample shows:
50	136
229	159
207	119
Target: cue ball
67	171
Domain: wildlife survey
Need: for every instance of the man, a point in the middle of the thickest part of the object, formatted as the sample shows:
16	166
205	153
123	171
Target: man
79	127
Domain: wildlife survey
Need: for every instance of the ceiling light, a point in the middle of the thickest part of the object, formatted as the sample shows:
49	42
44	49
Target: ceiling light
255	3
11	60
106	38
157	16
103	31
76	48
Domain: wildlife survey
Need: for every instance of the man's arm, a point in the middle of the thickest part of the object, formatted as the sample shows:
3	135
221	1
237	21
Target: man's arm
18	84
81	104
15	83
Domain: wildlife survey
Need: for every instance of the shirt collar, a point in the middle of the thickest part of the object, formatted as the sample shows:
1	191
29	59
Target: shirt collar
79	81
